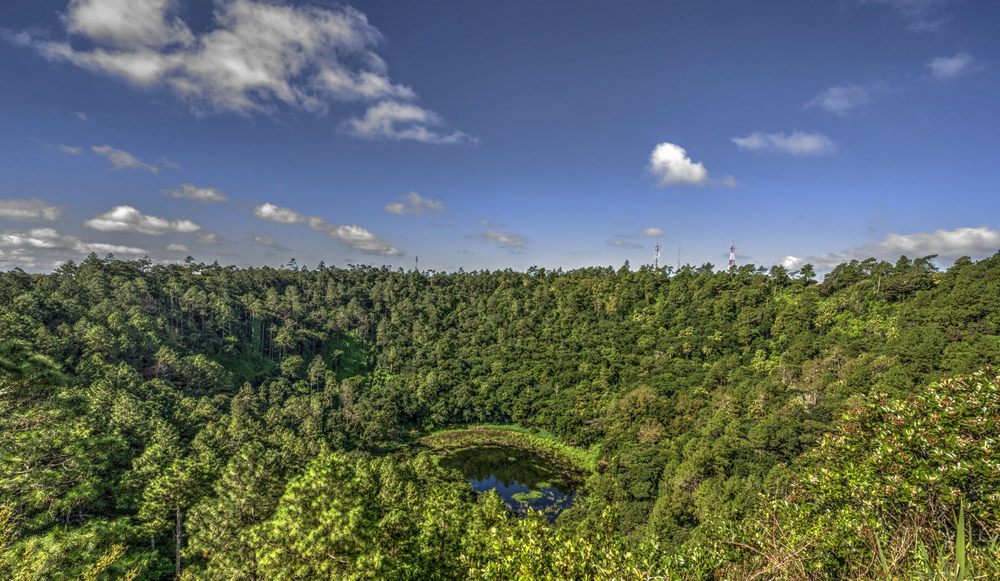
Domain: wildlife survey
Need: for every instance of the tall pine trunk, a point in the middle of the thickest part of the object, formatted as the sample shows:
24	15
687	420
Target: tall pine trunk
178	536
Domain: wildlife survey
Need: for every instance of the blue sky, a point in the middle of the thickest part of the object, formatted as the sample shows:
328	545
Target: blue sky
498	134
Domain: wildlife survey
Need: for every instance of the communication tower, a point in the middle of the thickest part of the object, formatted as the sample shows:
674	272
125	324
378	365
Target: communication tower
732	256
656	256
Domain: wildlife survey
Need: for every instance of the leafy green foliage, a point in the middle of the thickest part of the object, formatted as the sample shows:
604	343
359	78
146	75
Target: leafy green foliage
366	519
898	476
155	417
512	437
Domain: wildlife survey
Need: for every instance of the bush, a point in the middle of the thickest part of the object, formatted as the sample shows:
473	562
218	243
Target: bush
871	498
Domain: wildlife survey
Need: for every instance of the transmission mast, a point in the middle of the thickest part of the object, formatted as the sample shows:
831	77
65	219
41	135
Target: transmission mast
656	256
732	256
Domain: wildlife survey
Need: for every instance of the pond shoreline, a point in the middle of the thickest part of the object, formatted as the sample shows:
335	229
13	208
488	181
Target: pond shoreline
563	455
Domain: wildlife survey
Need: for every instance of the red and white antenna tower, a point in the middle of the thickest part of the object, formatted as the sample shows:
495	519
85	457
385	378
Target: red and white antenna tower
732	256
656	256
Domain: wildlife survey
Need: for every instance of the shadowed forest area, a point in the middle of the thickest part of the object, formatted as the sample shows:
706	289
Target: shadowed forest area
226	423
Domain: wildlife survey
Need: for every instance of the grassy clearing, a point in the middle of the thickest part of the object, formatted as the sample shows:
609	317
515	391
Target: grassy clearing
527	496
543	443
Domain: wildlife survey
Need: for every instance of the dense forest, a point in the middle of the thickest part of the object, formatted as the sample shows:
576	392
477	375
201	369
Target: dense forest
223	423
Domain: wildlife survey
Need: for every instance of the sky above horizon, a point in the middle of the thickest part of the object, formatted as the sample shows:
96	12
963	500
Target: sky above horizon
487	135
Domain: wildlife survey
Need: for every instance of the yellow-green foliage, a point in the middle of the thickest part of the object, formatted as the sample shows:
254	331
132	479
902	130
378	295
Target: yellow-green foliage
503	547
513	437
135	395
905	487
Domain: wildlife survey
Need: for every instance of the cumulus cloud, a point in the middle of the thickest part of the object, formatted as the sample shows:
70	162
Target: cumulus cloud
208	238
43	248
70	149
127	23
394	121
414	203
792	262
129	219
176	248
353	236
273	213
946	68
672	166
795	143
652	232
975	242
255	55
845	99
122	159
28	209
200	194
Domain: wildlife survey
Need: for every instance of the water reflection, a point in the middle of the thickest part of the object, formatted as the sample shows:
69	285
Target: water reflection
522	479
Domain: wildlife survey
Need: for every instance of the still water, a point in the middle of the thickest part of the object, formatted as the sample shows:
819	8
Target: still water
522	479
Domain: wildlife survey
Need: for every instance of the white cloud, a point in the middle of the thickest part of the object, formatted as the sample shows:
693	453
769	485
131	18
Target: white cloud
208	238
70	149
976	242
36	238
362	86
946	68
201	194
672	166
652	232
81	116
354	236
273	213
508	240
43	248
844	99
28	209
414	203
122	159
127	23
795	143
979	241
394	121
129	219
361	239
792	262
177	248
101	248
254	56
